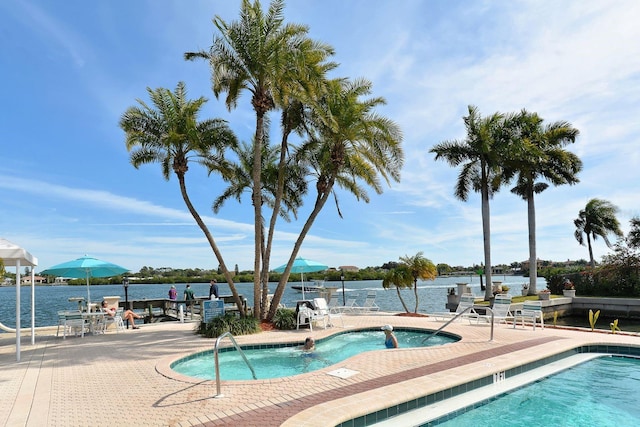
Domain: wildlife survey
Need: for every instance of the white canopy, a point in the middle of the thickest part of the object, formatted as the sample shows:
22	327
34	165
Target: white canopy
13	255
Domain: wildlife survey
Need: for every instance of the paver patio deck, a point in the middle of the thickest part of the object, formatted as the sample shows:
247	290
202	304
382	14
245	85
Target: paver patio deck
124	378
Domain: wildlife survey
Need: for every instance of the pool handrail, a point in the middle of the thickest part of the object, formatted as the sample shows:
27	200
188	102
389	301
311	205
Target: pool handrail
460	314
215	356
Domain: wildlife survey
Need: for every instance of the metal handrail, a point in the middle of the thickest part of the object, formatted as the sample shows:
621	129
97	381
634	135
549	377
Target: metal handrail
460	314
215	356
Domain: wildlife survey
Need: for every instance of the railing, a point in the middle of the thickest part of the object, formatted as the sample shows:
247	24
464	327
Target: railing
215	356
456	317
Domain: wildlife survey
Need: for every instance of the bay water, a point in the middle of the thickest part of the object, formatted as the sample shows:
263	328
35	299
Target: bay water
432	295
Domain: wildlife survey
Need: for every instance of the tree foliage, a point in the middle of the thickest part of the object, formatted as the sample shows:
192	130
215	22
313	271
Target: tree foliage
597	219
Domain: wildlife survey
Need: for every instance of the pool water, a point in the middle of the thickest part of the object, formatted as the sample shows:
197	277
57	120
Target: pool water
601	392
290	360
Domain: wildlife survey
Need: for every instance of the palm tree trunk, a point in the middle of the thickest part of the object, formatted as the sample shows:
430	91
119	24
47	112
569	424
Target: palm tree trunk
533	259
415	292
321	199
592	261
486	232
406	309
274	216
257	209
212	243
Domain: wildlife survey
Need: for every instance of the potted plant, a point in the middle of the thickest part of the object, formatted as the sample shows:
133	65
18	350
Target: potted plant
569	289
544	294
525	290
505	289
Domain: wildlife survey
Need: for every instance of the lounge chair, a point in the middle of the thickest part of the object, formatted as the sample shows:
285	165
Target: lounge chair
501	310
466	300
346	308
322	309
369	304
530	310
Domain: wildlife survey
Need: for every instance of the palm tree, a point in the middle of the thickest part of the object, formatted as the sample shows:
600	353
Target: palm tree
400	278
284	200
350	143
540	154
169	133
419	268
633	238
598	218
262	54
480	154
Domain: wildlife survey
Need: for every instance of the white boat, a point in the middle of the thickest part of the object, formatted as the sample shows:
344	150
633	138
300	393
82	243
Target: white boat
318	286
308	288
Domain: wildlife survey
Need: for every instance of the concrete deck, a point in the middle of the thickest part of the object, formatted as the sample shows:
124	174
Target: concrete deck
123	379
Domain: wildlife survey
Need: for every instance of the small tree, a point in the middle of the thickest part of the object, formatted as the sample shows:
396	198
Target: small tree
598	218
400	278
420	268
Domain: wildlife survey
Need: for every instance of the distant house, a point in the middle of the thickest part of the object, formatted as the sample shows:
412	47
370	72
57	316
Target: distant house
351	268
26	280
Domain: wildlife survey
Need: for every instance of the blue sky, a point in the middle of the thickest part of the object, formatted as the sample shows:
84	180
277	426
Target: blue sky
70	69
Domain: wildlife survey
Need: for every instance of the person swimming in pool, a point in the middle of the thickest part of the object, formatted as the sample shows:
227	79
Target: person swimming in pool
309	345
390	340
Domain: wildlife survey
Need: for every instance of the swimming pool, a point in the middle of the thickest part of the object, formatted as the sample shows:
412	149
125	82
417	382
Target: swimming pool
284	360
600	392
589	385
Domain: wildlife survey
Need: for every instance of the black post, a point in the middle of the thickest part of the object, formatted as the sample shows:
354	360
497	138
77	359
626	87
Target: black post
344	302
125	283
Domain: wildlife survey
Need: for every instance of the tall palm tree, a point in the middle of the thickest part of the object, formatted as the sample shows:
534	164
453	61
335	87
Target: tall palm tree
419	268
400	278
598	218
283	196
350	144
539	154
262	54
480	154
169	133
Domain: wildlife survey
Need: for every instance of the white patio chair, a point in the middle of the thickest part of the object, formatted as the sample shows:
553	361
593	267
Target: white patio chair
501	310
530	310
74	322
61	319
466	300
322	309
115	320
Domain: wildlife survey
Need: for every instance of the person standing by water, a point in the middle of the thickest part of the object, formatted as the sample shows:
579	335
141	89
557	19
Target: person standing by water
213	289
173	295
390	340
188	296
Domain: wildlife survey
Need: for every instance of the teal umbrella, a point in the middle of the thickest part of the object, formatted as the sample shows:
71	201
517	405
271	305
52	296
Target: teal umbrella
302	265
85	266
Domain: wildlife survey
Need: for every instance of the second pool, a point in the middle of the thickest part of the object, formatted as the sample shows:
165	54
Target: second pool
284	360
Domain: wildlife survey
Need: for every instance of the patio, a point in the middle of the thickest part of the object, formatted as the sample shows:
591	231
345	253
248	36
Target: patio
119	377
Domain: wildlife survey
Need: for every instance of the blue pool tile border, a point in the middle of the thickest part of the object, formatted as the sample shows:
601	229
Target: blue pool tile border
383	414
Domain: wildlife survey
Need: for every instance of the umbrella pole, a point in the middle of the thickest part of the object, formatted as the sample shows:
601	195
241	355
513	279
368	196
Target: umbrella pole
302	277
88	293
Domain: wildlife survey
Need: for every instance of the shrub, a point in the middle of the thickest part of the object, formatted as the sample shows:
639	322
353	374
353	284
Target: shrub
285	319
229	323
